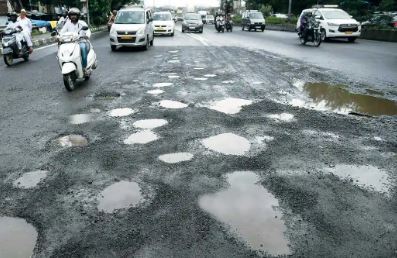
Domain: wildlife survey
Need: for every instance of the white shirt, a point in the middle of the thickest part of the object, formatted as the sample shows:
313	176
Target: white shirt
12	25
71	27
26	24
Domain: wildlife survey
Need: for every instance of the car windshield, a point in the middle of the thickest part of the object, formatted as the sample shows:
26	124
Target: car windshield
130	17
192	16
162	17
335	14
257	15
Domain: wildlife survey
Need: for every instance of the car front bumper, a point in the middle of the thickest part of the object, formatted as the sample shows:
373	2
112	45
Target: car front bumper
336	34
192	27
135	41
165	31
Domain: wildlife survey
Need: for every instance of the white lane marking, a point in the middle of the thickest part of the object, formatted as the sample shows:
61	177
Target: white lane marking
199	38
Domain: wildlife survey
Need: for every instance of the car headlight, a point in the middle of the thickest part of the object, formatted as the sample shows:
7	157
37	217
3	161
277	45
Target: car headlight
112	31
141	32
332	24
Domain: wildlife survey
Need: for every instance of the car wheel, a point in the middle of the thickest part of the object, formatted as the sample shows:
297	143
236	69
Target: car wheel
172	34
351	40
152	42
249	28
146	47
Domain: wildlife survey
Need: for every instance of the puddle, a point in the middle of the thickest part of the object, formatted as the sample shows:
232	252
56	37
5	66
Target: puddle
120	112
17	238
264	139
178	157
228	144
121	195
30	179
73	140
200	79
198	68
150	123
249	211
283	117
106	95
162	84
230	105
174	61
95	110
173	76
377	138
142	137
364	176
155	92
335	98
173	51
228	82
210	75
79	119
172	104
374	92
257	83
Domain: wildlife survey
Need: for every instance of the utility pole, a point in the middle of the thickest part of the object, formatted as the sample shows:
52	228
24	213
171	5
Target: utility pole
289	9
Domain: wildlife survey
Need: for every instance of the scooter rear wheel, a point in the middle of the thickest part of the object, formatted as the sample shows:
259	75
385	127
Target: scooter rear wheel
69	80
8	59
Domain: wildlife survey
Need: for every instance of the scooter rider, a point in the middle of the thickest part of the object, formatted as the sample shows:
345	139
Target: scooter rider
12	24
305	21
76	25
26	25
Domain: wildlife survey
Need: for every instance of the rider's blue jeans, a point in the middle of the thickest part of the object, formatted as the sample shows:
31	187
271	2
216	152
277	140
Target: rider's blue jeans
84	53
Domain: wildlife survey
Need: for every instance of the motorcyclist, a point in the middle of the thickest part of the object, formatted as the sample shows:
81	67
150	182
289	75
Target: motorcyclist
26	25
74	24
12	24
62	20
304	23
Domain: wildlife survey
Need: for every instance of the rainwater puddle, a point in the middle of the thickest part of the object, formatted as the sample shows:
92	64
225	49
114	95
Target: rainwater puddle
228	82
249	211
142	137
162	84
173	76
210	75
30	179
228	144
198	68
121	195
173	51
257	83
200	79
230	105
364	176
17	238
172	104
335	98
73	140
150	123
155	92
79	119
178	157
120	112
174	61
95	110
283	117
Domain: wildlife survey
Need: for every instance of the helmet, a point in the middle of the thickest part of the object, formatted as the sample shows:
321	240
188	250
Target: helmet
74	11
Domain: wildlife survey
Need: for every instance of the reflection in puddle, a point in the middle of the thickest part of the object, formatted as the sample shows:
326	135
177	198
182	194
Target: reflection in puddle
377	138
95	110
200	79
172	104
173	51
336	98
162	84
142	137
79	119
248	210
365	176
230	106
150	123
30	179
173	158
228	144
120	112
284	117
173	76
120	195
17	238
155	92
174	61
198	68
210	75
228	82
257	83
73	140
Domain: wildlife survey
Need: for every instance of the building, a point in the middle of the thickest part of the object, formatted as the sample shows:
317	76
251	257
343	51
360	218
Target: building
3	7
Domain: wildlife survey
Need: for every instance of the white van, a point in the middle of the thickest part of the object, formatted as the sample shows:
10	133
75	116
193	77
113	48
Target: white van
334	23
133	27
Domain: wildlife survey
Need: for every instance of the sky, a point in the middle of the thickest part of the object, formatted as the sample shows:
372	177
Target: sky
187	3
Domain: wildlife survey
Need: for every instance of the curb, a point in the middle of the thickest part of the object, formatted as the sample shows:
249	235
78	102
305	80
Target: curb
47	41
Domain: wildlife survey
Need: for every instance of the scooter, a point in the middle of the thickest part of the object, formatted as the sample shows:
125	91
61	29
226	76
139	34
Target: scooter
220	26
69	57
10	47
229	26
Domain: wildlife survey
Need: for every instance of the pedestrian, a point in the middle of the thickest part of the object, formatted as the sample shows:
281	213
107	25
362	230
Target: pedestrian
26	25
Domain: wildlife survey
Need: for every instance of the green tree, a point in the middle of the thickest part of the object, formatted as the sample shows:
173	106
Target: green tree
388	5
267	10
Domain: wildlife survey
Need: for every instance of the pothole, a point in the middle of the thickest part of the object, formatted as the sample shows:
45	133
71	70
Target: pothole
150	123
17	238
230	105
210	75
173	51
106	95
171	104
228	144
363	176
173	158
30	179
228	82
173	76
141	137
174	61
249	211
121	112
120	195
155	92
200	79
72	140
283	117
79	119
198	68
162	84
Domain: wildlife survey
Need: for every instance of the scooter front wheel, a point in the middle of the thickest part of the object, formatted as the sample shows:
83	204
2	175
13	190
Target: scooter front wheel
69	80
8	59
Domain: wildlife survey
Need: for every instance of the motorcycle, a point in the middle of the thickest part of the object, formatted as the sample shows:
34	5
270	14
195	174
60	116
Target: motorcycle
69	57
10	47
220	26
311	34
229	26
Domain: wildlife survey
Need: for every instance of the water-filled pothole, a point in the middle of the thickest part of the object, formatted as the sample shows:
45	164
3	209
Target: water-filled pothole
210	75
72	140
249	211
171	104
162	84
230	105
178	157
17	238
79	119
155	92
173	76
120	112
120	195
150	123
200	79
141	137
228	144
30	179
283	117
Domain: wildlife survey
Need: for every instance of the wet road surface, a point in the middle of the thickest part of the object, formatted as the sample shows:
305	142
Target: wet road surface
201	147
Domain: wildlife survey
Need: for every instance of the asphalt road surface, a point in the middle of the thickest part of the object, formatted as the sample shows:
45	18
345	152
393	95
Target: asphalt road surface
207	145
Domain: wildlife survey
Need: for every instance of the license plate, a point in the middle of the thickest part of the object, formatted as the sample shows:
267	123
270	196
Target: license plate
259	26
348	32
160	30
192	28
126	37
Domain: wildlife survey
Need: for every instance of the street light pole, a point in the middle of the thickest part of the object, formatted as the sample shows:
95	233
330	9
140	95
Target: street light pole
88	13
289	9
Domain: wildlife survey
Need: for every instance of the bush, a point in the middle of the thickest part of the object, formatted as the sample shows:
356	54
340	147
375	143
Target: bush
274	20
237	19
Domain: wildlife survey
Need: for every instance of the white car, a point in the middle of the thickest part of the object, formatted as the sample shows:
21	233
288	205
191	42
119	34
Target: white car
133	27
335	23
163	23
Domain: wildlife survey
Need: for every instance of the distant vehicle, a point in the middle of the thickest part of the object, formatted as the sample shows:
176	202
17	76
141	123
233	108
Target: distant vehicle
209	19
133	27
10	48
381	19
192	22
394	21
163	23
253	20
203	16
335	23
281	15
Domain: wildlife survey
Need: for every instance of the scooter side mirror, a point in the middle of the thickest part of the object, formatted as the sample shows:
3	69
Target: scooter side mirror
84	28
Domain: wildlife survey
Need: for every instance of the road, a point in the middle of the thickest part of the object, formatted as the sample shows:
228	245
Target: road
207	145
